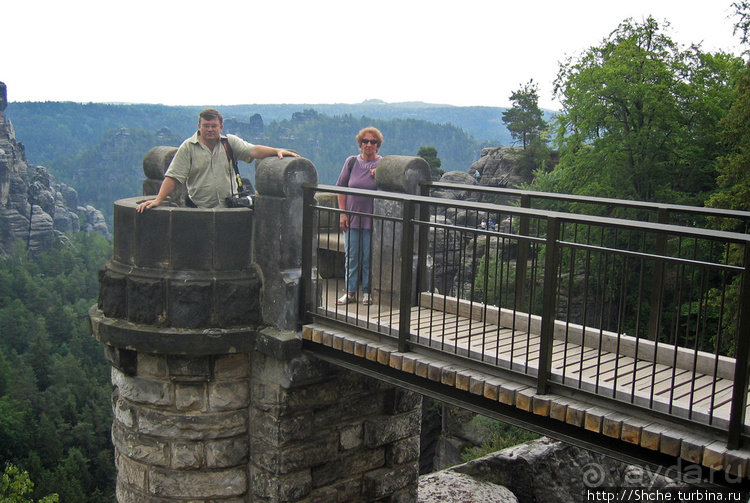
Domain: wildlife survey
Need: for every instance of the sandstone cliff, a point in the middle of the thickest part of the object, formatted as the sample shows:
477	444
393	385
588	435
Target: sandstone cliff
33	208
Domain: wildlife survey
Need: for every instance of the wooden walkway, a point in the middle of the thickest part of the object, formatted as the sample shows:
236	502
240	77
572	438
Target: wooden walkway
657	377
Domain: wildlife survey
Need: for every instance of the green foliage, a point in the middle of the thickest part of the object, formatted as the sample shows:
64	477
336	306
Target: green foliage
16	485
55	413
734	165
501	436
640	118
525	119
429	154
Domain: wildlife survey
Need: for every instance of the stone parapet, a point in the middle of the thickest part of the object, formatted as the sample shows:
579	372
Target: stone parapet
181	268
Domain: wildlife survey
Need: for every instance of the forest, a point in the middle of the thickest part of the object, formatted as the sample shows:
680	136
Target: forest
641	118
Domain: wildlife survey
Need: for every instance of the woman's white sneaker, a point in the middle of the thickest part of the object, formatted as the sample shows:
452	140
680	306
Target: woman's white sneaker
347	298
366	299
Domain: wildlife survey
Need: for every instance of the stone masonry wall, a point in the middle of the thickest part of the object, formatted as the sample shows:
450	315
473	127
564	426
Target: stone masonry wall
339	437
180	429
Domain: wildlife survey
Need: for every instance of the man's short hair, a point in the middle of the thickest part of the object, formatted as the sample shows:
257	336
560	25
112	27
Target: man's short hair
210	114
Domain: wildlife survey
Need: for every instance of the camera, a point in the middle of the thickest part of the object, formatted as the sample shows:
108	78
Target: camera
244	200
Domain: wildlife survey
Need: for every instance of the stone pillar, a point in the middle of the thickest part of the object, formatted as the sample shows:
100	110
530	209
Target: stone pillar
155	164
402	174
211	404
278	234
320	433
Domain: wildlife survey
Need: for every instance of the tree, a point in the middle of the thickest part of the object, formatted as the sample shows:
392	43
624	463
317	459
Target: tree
15	485
429	154
640	118
524	119
742	11
734	165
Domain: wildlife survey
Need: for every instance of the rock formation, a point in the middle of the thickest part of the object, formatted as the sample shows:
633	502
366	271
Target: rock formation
33	208
498	167
543	471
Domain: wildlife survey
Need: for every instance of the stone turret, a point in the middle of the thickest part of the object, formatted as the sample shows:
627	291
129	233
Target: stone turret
214	398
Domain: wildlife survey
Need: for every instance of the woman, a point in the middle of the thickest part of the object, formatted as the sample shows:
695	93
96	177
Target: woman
359	172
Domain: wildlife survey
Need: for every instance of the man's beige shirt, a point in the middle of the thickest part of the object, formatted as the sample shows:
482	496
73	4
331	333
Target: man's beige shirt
208	174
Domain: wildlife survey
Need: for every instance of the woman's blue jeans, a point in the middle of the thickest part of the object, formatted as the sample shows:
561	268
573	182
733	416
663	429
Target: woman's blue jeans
358	259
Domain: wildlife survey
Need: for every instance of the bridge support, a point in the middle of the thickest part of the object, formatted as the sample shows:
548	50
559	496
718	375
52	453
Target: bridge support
215	399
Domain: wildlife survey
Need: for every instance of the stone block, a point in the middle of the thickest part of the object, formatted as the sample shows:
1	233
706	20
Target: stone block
112	294
123	249
228	395
190	396
150	365
403	451
292	458
122	359
124	413
345	490
227	452
281	345
386	429
384	482
347	465
280	431
351	437
400	400
189	368
231	250
189	303
238	302
151	234
146	301
139	390
192	240
131	473
230	367
192	427
187	455
197	484
141	448
271	487
351	409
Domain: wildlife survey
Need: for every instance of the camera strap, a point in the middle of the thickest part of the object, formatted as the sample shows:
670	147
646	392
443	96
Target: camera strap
233	162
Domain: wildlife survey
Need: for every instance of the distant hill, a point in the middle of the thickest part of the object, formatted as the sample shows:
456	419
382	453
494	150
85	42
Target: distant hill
56	129
484	124
98	148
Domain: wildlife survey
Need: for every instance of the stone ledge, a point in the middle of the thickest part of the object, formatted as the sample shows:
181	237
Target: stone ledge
173	341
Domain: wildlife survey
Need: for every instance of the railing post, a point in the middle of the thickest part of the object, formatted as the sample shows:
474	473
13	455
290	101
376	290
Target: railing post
658	285
305	282
407	254
522	256
549	293
423	243
739	391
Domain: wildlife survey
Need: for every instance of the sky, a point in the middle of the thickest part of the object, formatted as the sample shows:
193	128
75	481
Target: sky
229	52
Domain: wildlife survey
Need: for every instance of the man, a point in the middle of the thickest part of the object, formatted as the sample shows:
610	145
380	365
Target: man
201	162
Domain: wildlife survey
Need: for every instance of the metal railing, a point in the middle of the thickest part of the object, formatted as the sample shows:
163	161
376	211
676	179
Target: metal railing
675	214
645	314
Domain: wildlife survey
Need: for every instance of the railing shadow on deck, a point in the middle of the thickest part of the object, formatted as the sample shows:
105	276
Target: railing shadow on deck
641	313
